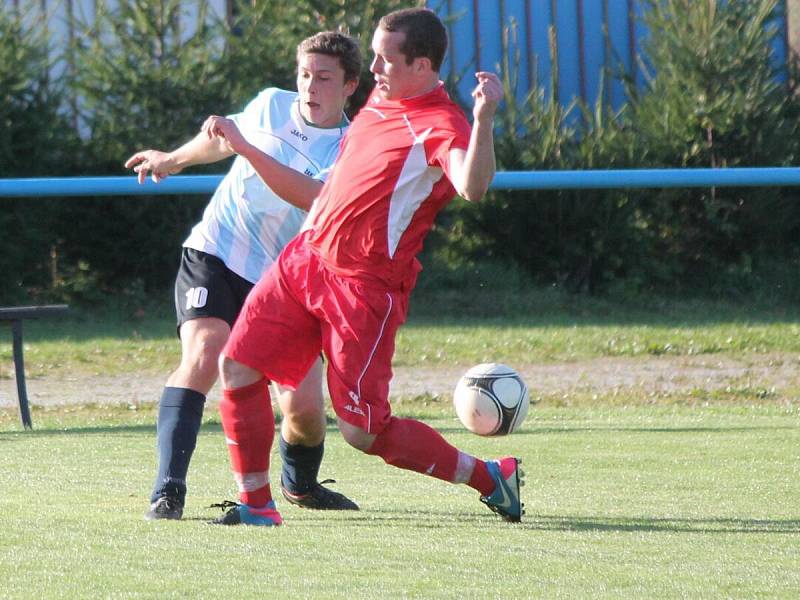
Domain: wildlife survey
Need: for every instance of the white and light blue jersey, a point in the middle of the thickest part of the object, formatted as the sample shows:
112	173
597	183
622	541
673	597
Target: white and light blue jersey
246	224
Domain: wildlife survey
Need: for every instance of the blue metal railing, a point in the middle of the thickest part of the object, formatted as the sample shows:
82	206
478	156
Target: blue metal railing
507	180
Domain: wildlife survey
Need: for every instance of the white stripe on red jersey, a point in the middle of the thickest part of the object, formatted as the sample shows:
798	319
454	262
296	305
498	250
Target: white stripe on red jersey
391	180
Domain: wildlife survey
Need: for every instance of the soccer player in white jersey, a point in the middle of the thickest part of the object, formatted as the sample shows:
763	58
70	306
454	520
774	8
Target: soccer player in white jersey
293	138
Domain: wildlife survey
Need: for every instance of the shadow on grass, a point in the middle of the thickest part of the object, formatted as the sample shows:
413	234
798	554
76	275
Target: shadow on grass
441	519
617	429
666	524
215	426
140	428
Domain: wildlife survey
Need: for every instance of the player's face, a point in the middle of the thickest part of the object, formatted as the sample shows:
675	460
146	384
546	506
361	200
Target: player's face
394	78
323	90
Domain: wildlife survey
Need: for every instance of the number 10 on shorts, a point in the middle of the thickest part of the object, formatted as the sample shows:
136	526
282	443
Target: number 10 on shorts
196	297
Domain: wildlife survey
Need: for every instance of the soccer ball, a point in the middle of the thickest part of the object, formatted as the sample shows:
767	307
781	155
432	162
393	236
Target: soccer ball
491	399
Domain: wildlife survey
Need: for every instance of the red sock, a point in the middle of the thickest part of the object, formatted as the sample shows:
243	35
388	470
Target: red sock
481	480
249	427
412	445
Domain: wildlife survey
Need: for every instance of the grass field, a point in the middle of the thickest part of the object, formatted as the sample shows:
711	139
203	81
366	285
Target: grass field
692	496
621	503
446	330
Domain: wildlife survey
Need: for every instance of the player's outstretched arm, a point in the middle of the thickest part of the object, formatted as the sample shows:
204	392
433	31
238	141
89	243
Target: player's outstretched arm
159	165
294	187
473	169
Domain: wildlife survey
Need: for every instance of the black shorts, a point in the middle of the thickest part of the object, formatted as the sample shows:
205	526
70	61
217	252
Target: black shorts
205	287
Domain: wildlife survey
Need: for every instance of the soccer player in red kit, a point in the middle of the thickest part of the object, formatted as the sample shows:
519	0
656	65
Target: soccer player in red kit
342	285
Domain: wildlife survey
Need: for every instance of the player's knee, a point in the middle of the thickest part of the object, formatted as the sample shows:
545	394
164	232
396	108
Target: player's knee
355	436
202	350
303	410
235	375
203	359
227	369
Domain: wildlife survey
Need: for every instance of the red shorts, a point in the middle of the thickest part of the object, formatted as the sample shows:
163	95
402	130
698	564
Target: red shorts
299	308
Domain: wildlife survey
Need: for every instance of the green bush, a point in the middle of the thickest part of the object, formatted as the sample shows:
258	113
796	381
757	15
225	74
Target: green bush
148	76
715	100
578	239
280	26
146	73
37	140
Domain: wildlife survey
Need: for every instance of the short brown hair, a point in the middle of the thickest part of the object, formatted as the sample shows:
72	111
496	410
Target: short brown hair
338	45
425	34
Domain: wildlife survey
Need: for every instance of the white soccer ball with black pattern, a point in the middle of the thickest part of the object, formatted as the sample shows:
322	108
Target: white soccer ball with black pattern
491	399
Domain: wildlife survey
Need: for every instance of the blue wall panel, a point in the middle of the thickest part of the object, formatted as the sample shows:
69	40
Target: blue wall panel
619	55
461	58
780	47
519	44
490	36
639	34
594	52
584	51
541	19
566	25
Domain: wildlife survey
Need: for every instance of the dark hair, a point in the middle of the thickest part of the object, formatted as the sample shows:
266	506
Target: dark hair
425	34
338	45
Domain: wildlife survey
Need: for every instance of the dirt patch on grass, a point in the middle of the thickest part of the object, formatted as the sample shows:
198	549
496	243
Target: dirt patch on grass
773	376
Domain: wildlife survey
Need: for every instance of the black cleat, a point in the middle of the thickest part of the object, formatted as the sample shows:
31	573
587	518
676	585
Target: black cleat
165	507
320	498
241	514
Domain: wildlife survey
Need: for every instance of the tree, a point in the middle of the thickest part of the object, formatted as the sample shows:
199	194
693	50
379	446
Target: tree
36	140
147	73
716	99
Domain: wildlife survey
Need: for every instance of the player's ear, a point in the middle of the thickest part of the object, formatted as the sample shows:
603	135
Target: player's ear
350	87
422	64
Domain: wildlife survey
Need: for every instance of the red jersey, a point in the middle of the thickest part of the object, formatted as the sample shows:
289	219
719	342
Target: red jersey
389	182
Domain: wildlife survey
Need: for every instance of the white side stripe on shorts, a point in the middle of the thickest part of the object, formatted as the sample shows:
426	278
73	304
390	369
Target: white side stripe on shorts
375	345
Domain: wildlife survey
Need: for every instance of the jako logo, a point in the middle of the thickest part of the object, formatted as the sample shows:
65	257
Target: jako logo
300	135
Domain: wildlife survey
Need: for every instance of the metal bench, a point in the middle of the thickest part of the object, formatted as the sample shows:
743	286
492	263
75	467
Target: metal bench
14	316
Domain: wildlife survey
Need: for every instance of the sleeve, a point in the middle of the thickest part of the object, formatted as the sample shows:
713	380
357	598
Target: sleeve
454	136
323	173
253	113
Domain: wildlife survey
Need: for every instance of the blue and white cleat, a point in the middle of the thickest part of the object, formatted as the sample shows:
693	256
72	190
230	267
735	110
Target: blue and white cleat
505	500
242	514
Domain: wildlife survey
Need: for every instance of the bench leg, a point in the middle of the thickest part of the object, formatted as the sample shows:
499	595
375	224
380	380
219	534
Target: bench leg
19	371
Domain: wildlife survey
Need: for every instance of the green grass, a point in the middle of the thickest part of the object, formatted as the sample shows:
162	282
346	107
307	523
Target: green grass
690	493
621	503
448	330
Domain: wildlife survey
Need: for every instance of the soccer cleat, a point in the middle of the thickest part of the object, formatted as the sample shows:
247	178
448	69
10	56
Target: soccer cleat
165	507
320	498
505	500
242	514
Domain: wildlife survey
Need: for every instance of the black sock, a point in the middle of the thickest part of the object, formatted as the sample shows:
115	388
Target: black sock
180	413
300	466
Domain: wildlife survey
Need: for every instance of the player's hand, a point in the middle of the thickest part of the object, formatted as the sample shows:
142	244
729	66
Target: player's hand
158	164
225	130
487	95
